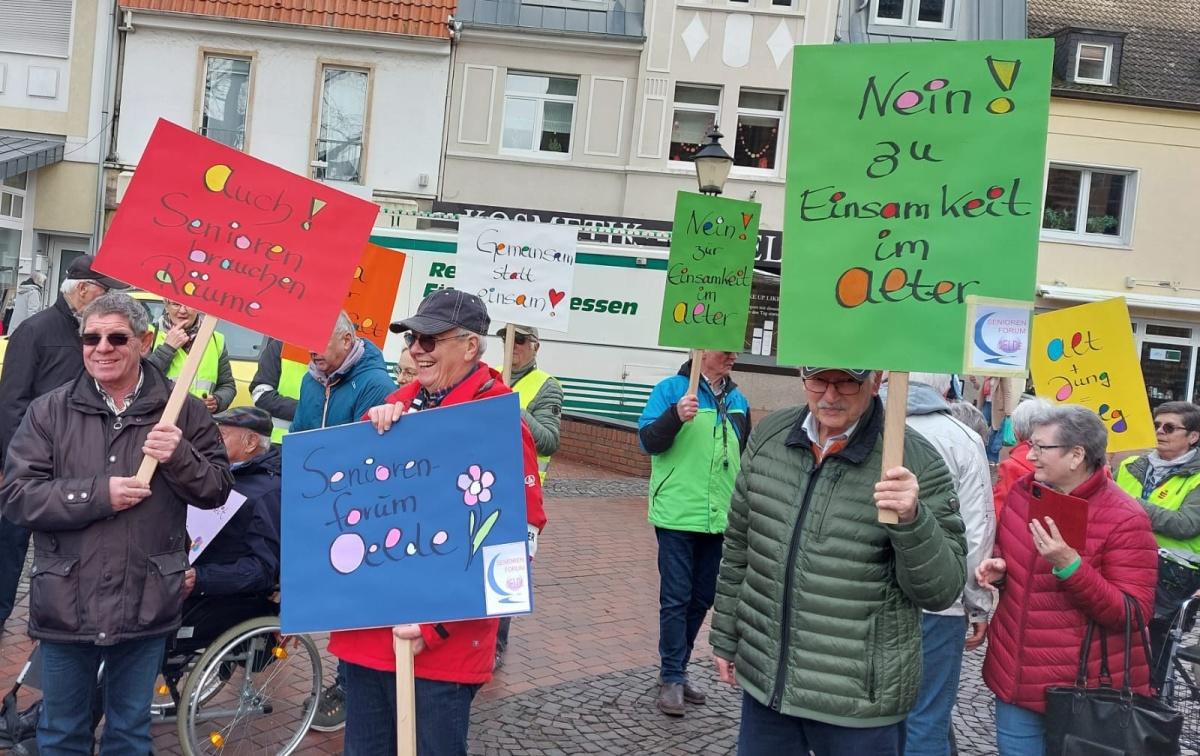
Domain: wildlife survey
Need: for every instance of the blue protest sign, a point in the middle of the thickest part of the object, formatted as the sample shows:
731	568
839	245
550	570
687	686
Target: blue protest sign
425	523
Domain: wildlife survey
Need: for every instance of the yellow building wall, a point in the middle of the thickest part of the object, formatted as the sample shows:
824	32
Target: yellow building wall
66	198
1163	146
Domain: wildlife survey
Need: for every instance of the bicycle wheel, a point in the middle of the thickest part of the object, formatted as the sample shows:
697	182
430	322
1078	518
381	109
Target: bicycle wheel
264	673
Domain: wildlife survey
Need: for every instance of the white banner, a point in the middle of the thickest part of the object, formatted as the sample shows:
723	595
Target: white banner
204	524
523	272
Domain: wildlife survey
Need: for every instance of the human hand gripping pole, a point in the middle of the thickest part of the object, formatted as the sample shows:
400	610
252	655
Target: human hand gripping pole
178	394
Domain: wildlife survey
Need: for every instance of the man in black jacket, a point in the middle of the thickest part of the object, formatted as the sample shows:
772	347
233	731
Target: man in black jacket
44	354
243	559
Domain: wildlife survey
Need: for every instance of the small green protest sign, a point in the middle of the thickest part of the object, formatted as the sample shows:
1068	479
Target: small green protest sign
707	298
914	182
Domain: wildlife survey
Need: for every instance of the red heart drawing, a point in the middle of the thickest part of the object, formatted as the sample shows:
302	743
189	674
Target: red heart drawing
556	297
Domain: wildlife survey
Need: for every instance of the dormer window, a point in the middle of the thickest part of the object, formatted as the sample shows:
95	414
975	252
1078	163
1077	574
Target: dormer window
1093	64
926	13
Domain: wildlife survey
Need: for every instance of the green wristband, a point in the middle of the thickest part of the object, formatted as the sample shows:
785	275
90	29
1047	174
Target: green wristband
1067	571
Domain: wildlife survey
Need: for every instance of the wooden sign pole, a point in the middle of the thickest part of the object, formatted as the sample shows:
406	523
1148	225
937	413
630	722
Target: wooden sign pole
894	416
406	699
694	378
510	335
183	383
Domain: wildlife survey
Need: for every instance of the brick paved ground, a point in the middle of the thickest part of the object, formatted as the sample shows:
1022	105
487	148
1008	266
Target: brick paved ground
580	673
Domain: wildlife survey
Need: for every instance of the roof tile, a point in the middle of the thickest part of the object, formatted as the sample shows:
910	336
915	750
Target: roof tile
422	18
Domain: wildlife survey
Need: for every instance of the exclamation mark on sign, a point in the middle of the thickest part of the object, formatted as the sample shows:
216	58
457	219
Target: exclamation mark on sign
746	218
315	208
1005	73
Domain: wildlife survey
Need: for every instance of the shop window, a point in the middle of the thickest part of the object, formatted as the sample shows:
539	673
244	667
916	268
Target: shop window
1084	204
696	108
539	113
759	129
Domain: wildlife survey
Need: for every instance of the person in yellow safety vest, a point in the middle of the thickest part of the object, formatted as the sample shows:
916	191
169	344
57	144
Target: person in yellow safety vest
173	335
1167	483
540	393
275	387
541	398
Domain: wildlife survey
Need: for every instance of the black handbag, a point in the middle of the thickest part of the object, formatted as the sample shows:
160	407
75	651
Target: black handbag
1103	720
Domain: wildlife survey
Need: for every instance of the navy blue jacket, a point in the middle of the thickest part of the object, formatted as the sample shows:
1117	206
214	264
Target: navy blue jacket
244	557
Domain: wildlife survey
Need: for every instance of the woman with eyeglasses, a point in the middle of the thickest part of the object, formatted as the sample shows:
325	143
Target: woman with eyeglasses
1051	589
1167	483
173	337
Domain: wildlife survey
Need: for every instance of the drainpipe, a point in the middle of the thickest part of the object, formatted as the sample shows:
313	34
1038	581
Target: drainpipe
105	124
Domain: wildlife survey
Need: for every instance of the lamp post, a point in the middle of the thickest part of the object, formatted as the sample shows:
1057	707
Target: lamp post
712	163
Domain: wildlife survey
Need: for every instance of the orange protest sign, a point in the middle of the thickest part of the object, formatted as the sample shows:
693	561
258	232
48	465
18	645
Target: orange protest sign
372	296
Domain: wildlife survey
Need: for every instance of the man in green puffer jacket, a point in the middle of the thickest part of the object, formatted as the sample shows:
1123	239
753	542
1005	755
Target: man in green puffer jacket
818	604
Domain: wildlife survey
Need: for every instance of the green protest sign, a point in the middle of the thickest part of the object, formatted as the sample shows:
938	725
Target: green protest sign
914	186
707	298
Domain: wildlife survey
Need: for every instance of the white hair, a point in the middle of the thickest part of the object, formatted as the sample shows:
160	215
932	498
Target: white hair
1028	414
264	442
939	382
480	338
69	284
344	325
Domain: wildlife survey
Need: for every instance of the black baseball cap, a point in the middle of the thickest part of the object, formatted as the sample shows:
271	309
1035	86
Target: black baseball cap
445	309
858	375
80	269
252	418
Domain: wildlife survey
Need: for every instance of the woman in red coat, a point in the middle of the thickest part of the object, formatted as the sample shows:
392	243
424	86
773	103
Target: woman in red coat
1017	464
1051	589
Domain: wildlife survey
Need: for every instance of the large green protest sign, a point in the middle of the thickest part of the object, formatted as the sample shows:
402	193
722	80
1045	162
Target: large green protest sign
914	187
706	302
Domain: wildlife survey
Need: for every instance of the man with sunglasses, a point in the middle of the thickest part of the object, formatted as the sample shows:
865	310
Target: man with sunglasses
447	337
818	604
695	443
111	551
541	409
342	383
43	354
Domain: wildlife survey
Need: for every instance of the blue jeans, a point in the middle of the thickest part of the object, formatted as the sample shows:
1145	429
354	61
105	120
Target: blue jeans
14	542
69	682
443	712
687	571
1019	732
927	729
766	732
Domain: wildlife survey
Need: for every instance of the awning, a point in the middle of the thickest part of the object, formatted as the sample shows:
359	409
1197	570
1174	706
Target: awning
21	153
1150	301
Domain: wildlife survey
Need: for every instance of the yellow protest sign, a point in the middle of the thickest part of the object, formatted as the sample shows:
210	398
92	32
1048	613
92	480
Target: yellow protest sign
1086	355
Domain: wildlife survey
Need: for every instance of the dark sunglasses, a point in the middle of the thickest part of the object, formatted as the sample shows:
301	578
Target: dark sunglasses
1167	427
114	339
428	343
521	339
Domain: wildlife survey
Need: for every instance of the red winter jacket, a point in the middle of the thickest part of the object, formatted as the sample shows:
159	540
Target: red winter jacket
462	652
1034	637
1008	472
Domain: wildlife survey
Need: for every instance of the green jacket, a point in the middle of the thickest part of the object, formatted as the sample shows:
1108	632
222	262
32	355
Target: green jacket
818	604
1173	506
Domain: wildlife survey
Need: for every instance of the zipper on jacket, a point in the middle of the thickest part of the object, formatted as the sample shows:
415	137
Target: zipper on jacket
790	567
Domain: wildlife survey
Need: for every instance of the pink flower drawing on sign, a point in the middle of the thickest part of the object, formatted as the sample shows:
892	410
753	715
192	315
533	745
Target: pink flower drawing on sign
476	485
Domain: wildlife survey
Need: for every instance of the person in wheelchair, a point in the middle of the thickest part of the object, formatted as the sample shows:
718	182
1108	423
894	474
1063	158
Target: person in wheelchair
243	559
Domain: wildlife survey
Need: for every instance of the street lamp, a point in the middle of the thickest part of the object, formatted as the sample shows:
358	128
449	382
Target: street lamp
712	163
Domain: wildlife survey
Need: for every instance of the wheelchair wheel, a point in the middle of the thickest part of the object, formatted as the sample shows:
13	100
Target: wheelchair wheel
263	674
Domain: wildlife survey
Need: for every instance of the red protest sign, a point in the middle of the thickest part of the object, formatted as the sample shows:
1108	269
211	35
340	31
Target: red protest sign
236	237
373	290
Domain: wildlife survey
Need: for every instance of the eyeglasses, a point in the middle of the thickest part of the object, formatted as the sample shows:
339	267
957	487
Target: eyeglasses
429	343
820	386
1167	427
1039	448
408	372
521	339
117	339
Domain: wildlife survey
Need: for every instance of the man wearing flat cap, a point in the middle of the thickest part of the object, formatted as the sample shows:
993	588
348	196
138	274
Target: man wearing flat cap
43	354
818	610
446	338
243	558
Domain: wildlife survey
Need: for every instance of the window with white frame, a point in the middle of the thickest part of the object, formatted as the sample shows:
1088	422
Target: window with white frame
342	124
1088	204
696	108
226	100
759	126
12	197
931	13
1093	64
539	113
